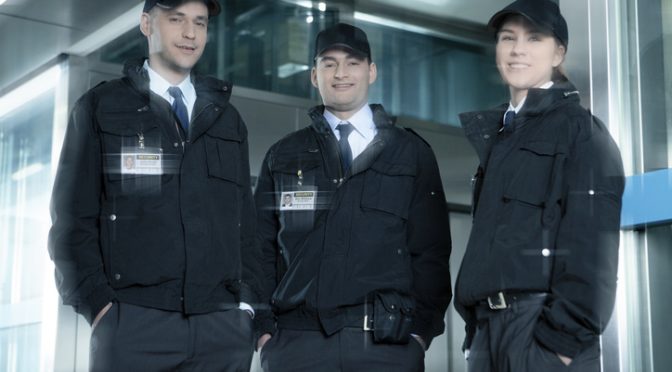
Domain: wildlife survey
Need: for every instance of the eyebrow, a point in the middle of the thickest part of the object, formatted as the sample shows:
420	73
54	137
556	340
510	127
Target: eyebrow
173	12
530	31
349	56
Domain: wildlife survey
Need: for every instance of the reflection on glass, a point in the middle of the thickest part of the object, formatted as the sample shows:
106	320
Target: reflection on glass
268	45
26	275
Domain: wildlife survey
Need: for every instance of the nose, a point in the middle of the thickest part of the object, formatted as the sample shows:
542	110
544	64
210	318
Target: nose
189	31
341	71
519	47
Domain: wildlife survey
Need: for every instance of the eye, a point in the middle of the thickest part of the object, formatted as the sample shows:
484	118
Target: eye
201	24
535	38
328	65
505	38
354	63
174	19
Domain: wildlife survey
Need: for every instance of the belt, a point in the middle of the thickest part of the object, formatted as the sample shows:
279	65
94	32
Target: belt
503	300
357	316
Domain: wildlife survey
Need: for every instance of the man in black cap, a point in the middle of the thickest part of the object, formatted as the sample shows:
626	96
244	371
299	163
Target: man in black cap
538	280
357	267
159	257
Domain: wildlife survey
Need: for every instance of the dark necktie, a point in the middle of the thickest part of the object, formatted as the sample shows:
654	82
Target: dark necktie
179	108
345	129
508	120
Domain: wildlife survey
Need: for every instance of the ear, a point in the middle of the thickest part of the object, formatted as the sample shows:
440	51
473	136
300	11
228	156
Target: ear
559	56
146	24
373	73
313	77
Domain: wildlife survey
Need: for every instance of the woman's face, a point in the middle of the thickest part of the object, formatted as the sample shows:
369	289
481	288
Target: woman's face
526	56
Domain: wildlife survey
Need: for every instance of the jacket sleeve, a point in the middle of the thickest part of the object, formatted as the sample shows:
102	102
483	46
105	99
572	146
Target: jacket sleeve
75	211
250	291
267	230
429	243
583	283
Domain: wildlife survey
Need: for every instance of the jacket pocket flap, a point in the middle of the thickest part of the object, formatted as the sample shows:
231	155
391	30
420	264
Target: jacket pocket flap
543	148
126	124
393	169
291	164
530	198
224	132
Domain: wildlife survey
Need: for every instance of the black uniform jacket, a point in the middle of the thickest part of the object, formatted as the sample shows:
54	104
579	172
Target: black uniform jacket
180	241
547	211
382	225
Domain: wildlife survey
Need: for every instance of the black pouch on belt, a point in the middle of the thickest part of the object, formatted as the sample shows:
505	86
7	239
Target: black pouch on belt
392	317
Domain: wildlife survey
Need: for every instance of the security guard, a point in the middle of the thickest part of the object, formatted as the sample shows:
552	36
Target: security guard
537	283
357	266
159	256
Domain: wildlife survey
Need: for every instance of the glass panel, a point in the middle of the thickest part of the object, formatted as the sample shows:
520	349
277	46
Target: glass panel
26	274
268	45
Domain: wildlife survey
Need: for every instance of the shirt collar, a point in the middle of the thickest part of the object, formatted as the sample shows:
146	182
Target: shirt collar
362	121
522	101
159	85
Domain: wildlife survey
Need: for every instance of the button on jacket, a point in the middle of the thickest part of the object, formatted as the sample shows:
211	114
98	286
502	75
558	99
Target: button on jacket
381	225
547	207
179	241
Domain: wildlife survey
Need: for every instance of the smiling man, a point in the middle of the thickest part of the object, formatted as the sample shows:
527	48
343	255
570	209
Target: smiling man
159	257
357	266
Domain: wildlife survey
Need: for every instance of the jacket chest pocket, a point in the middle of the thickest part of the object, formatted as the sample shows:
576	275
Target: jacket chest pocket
127	132
222	151
538	164
388	187
291	172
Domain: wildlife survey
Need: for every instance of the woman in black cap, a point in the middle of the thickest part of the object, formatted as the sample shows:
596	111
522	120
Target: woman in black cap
538	280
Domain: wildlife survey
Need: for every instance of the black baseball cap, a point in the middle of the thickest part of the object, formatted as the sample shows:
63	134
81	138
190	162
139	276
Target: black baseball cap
343	35
213	5
543	13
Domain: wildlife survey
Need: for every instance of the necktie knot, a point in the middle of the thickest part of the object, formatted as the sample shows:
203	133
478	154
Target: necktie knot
179	108
345	129
175	92
508	118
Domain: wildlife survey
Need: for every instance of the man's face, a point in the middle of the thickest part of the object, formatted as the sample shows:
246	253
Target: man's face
176	37
525	56
343	80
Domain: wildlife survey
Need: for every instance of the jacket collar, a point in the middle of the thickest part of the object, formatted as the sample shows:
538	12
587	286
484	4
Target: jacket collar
481	127
380	118
209	91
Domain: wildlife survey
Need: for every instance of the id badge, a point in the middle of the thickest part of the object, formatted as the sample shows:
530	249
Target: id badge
301	200
141	161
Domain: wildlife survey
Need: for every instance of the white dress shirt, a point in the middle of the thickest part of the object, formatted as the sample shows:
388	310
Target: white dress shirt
159	85
365	129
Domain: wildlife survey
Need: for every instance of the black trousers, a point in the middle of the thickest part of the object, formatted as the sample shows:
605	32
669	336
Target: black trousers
504	342
350	350
134	338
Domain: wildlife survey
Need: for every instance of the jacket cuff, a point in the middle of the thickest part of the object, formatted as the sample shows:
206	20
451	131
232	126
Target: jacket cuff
246	294
264	322
470	331
556	341
95	302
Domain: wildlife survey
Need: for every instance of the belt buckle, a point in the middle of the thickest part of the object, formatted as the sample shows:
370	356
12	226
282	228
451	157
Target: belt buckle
499	303
366	324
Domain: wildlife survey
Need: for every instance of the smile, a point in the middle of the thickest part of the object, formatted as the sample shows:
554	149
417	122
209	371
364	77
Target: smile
517	66
342	86
187	48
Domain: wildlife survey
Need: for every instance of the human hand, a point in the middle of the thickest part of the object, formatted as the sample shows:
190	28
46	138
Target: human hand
566	360
420	341
263	340
100	315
